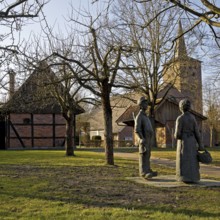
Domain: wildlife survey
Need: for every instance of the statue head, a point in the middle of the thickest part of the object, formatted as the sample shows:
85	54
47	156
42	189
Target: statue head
143	103
184	105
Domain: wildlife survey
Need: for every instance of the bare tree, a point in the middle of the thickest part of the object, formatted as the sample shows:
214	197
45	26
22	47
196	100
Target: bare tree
64	90
204	10
212	109
97	53
90	59
57	84
53	86
13	16
151	48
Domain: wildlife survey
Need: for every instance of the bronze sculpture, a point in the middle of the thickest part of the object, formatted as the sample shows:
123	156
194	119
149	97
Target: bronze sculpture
188	137
144	131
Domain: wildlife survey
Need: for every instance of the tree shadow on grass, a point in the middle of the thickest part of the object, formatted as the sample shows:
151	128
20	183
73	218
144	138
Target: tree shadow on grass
109	203
104	187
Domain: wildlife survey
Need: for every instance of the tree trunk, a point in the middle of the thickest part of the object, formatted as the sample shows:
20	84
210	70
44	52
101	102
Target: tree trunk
154	144
153	123
69	141
108	134
211	136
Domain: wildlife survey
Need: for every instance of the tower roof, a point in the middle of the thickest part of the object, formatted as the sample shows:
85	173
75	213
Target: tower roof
180	47
180	50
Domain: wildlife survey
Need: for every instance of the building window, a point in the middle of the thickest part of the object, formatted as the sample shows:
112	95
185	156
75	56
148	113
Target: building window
26	121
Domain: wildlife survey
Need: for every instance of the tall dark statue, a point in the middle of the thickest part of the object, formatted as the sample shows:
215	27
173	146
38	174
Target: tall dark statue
188	143
144	131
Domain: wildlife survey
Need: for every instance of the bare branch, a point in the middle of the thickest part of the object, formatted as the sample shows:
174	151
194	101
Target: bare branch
211	6
23	14
14	5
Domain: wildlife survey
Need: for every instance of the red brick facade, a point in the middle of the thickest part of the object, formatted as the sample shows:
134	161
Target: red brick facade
35	130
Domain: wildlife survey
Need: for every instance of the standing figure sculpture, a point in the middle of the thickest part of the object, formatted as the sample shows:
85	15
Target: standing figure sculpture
144	131
188	143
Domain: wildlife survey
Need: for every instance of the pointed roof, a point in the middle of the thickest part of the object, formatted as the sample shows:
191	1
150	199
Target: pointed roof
180	48
118	103
34	96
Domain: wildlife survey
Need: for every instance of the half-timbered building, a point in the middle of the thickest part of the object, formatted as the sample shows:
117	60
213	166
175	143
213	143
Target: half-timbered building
32	118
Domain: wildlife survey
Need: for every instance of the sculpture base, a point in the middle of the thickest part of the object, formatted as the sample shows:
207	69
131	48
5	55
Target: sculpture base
170	181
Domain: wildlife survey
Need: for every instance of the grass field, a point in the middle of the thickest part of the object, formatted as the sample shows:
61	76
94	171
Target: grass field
48	185
171	154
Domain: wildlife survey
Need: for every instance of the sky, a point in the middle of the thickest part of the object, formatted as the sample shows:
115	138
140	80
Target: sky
56	12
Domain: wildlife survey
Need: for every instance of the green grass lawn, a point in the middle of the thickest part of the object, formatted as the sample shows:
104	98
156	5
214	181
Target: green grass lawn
171	154
49	185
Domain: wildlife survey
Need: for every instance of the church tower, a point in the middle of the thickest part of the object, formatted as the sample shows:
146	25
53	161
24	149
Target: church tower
184	73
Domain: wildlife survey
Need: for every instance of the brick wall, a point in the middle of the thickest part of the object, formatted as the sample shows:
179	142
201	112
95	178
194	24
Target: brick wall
45	134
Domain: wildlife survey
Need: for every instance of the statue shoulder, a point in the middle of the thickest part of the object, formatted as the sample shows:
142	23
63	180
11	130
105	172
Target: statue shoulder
139	114
179	118
139	117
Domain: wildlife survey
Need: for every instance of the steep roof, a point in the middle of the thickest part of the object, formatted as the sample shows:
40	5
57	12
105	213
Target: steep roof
118	103
180	48
128	115
180	51
172	92
34	96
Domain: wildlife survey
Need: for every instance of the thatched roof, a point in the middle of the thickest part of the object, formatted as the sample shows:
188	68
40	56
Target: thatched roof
34	95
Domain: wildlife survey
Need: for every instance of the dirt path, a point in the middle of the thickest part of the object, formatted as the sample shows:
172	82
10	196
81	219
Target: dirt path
209	170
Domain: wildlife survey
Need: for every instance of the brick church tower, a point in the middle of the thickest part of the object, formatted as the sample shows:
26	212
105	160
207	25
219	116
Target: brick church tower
184	73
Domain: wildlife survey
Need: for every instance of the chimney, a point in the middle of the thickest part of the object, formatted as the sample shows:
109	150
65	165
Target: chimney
11	83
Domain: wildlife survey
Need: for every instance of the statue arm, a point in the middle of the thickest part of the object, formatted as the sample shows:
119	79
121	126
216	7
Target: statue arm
198	136
178	129
138	129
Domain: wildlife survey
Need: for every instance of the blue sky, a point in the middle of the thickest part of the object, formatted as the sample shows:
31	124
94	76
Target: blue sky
56	11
